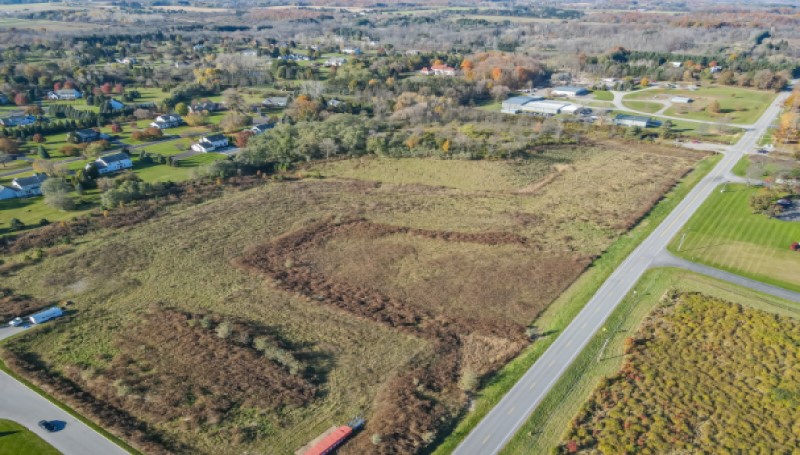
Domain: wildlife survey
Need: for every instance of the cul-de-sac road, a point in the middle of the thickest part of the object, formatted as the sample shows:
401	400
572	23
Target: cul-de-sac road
500	425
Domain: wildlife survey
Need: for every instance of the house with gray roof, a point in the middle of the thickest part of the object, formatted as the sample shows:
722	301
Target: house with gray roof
108	164
17	120
23	187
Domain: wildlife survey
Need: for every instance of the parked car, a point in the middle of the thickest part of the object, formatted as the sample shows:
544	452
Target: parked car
47	426
16	322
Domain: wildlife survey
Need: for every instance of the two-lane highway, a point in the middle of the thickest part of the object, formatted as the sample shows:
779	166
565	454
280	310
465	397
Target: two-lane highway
502	422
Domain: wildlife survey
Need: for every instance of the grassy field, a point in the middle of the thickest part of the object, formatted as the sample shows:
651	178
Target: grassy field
603	356
603	95
559	314
433	233
724	233
737	105
643	106
18	440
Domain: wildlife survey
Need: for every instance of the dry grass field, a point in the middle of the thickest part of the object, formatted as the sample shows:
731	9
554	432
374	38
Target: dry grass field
350	294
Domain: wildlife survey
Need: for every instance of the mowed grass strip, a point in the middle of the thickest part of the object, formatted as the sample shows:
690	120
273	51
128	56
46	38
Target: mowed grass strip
724	233
17	440
603	356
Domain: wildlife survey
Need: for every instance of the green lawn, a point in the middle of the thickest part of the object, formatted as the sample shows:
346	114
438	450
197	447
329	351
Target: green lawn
603	95
643	106
561	312
18	440
740	168
738	105
724	233
31	210
551	419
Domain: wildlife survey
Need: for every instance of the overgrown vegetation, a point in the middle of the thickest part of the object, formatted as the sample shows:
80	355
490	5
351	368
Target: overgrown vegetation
701	374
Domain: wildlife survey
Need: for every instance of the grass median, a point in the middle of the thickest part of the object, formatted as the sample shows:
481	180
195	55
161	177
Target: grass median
559	314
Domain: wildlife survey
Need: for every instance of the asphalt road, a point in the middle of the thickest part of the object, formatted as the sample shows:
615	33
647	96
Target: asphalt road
502	422
23	405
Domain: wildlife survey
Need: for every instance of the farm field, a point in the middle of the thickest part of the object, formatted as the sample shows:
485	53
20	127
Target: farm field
604	356
737	105
301	265
724	233
18	440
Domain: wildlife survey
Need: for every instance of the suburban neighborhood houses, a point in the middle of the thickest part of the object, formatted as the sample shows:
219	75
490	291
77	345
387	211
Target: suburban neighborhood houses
108	164
23	187
211	143
163	122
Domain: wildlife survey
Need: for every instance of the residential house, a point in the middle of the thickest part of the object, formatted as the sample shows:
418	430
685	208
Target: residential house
352	51
208	106
438	70
23	187
676	64
715	68
334	103
335	61
64	94
211	143
250	53
127	60
276	102
261	128
18	120
87	135
167	121
682	99
108	164
634	120
569	91
198	47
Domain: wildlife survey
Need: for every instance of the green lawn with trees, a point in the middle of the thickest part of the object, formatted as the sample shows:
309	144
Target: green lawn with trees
725	233
15	439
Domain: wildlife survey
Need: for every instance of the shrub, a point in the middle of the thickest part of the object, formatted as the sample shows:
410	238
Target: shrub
224	330
16	224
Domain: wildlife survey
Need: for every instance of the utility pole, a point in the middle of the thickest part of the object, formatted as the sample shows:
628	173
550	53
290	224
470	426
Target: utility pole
680	246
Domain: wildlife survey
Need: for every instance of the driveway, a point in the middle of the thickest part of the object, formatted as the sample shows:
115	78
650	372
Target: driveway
23	405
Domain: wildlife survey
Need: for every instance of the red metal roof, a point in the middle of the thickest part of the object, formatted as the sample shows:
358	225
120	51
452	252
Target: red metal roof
330	442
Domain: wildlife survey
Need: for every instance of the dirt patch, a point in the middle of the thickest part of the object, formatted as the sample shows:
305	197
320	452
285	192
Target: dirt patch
411	406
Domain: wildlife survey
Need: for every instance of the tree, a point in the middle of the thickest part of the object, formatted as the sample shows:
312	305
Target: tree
16	224
38	138
196	119
644	82
304	108
42	152
21	99
241	138
181	109
714	107
8	146
56	193
233	100
234	121
726	78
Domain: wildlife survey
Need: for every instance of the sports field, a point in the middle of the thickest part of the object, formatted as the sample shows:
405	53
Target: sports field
724	233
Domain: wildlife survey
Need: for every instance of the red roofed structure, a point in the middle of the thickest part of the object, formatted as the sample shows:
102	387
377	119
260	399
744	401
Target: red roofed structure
330	441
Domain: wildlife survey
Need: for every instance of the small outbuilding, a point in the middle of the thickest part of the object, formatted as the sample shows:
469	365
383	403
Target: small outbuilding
682	99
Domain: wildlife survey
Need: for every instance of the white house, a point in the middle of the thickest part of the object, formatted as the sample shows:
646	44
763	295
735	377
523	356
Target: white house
23	187
634	120
211	143
127	60
250	53
438	70
676	64
682	99
109	164
335	61
352	50
569	91
167	121
64	94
